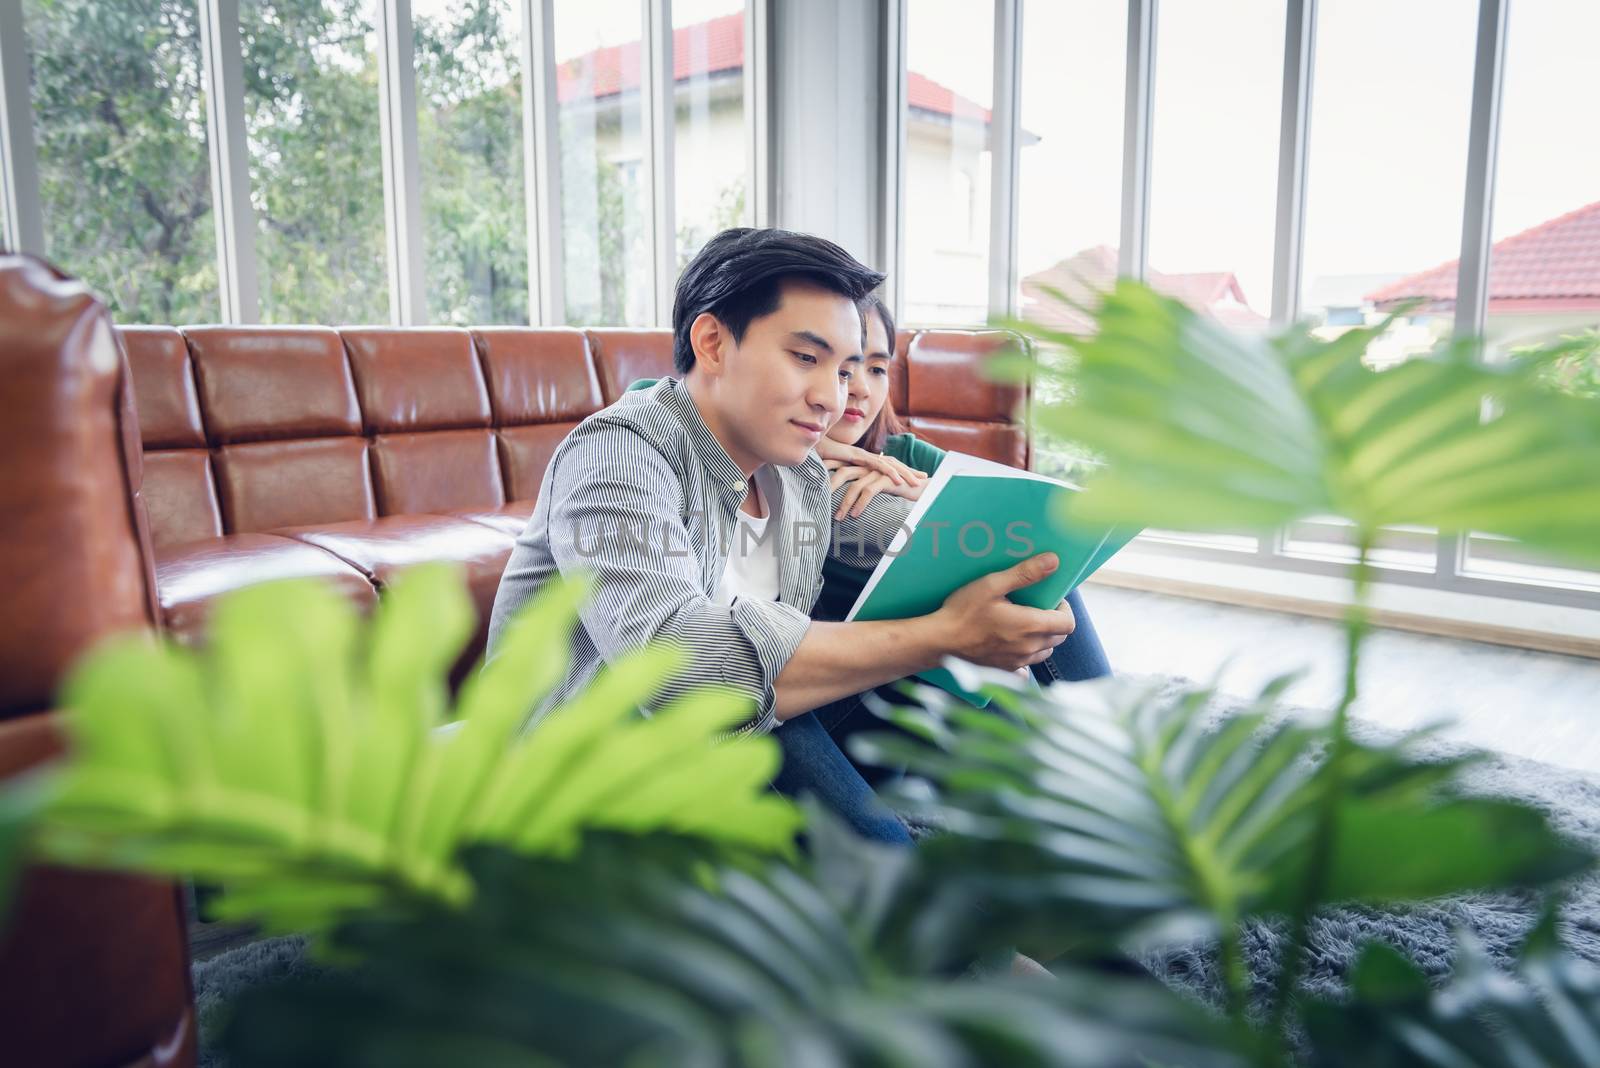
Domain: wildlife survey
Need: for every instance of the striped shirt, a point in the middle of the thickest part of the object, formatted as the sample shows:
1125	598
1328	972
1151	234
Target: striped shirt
643	497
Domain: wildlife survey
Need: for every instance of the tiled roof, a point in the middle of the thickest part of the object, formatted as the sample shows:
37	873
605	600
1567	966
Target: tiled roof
1554	266
1082	276
717	47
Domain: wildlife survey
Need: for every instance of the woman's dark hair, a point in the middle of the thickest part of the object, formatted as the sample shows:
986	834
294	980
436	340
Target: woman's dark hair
738	277
887	421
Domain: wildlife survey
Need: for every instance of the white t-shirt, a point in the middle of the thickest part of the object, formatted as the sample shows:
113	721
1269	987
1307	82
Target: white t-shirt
752	569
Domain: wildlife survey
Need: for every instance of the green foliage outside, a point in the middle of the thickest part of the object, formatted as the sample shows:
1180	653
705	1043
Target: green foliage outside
1577	372
125	185
604	890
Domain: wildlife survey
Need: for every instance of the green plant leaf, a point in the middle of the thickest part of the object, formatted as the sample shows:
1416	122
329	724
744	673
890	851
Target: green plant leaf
308	762
1206	429
637	952
1106	812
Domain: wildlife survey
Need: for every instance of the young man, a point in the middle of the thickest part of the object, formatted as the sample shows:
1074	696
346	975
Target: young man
644	495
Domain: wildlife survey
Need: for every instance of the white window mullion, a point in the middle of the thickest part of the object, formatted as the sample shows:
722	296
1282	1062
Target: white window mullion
222	67
402	171
659	115
21	218
1004	119
1138	109
541	164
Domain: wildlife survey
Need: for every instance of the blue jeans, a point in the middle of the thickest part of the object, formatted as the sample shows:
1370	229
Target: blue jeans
814	760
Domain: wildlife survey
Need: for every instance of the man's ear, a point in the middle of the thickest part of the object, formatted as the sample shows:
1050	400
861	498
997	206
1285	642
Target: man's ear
711	342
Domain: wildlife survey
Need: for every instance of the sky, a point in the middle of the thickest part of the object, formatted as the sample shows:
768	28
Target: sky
1389	123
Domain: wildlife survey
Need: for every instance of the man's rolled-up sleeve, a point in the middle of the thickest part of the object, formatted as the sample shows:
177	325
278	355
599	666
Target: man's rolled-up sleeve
616	512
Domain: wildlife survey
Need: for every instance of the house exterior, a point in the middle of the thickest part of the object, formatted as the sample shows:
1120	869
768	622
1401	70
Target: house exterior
603	190
1083	275
1544	281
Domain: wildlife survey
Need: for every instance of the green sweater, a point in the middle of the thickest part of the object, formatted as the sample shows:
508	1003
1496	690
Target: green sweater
841	583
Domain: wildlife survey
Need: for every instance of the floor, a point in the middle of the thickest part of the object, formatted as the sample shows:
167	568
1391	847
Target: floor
1537	705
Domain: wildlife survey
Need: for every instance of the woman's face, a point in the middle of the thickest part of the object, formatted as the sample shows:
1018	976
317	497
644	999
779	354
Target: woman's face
869	386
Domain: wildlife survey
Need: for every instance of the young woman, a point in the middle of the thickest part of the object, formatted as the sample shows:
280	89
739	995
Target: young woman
870	452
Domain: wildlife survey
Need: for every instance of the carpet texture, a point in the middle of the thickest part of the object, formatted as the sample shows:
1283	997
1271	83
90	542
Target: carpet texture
1427	933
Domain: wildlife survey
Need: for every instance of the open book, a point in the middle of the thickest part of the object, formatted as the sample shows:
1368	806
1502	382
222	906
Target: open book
976	517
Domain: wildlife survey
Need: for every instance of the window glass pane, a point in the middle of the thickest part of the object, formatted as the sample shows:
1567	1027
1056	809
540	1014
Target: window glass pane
1544	270
124	176
469	128
949	90
1407	548
1069	179
1214	155
1375	234
605	204
1384	190
311	110
709	146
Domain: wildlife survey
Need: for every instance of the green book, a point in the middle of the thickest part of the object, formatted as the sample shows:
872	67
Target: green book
976	517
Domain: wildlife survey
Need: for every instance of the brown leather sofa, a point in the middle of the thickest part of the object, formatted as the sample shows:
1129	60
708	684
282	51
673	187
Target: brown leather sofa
151	469
351	454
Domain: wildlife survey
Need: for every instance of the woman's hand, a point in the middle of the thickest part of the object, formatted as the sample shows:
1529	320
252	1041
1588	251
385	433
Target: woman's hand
836	454
865	484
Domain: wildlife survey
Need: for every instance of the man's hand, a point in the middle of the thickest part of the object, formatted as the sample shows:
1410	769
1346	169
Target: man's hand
987	628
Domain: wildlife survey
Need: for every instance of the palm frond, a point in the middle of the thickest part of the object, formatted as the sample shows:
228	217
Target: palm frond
1206	429
312	767
644	952
1108	812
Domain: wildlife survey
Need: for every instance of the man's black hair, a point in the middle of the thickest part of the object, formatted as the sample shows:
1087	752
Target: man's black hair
738	277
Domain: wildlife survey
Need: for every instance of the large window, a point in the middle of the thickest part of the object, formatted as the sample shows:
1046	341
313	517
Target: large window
1213	185
311	102
1384	200
949	91
469	129
1544	273
1069	176
124	178
1218	71
1384	191
605	204
709	153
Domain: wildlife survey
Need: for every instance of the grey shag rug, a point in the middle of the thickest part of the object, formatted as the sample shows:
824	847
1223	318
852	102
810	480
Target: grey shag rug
1426	933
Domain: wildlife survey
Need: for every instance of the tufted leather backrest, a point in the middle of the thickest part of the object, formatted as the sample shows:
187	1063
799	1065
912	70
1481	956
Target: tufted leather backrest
425	407
249	429
542	383
943	397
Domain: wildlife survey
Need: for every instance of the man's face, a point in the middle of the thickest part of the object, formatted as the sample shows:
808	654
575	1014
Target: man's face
785	383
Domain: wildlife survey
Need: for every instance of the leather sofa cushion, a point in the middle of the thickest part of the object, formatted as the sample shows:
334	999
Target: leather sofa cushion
437	471
382	548
163	383
271	484
191	576
944	377
624	356
261	383
512	518
538	376
1001	442
525	452
408	378
181	496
